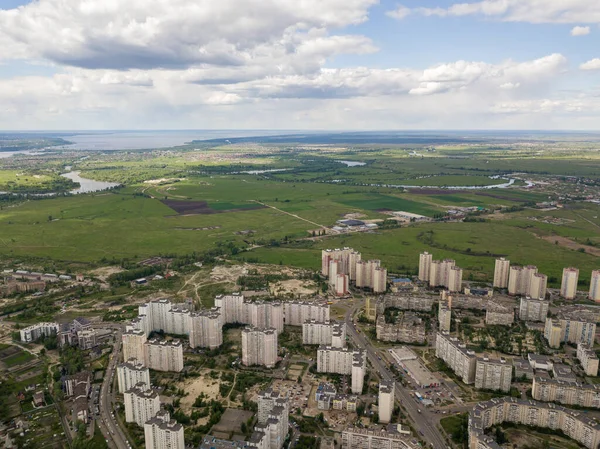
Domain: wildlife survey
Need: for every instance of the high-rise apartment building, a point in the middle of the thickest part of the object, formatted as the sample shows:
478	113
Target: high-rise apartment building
588	359
259	346
133	344
206	329
439	272
141	404
163	355
500	316
537	285
385	405
501	272
272	421
232	308
568	286
425	260
444	316
387	438
455	275
565	392
527	281
594	294
328	333
343	361
456	356
532	309
379	283
341	284
335	268
162	432
296	313
493	374
567	330
132	373
486	414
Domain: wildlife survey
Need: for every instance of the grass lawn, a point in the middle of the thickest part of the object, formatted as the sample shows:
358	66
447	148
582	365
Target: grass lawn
18	359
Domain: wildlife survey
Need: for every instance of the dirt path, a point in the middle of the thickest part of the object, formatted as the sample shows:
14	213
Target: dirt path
568	243
291	215
589	221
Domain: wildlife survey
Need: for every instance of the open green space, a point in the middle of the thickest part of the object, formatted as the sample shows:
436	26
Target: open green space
18	359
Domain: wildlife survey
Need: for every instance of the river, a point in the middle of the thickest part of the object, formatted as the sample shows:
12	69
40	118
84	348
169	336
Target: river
88	185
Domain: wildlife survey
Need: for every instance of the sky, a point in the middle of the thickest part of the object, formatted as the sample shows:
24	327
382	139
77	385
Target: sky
299	64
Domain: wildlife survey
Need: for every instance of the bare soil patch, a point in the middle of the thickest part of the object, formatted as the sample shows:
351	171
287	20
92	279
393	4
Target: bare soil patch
568	243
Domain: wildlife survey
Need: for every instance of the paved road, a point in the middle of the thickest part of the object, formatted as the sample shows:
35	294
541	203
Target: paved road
107	423
423	420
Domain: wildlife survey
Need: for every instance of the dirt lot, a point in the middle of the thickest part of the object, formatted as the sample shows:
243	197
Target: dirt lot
568	243
204	384
297	287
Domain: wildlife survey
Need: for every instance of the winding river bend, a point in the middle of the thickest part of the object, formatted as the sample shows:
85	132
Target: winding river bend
88	185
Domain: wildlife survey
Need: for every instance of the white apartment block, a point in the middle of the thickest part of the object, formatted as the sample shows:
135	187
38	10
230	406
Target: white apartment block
343	361
456	356
133	344
493	374
328	333
259	347
132	373
163	355
530	413
425	260
444	316
565	392
568	286
455	279
538	285
588	359
32	333
520	281
296	313
566	330
594	293
445	273
341	285
532	309
232	308
141	404
264	315
370	274
334	269
162	315
501	271
206	329
162	432
346	259
385	404
272	425
355	438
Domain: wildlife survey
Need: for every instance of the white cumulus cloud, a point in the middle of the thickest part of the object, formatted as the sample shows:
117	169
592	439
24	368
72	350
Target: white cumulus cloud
580	31
399	13
593	64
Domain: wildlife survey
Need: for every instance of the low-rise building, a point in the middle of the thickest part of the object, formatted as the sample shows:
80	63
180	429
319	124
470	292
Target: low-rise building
563	372
523	369
540	362
32	333
392	437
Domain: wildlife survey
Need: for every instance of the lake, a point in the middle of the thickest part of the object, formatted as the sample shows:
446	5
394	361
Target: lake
88	185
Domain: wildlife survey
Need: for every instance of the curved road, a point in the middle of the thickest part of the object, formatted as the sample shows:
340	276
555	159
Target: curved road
424	421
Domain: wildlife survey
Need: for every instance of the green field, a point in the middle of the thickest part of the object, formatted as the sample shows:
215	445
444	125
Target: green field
18	359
